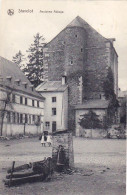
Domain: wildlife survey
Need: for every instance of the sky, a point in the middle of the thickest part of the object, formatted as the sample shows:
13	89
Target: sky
109	18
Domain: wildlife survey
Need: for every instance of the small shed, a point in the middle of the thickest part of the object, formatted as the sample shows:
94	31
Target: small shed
99	107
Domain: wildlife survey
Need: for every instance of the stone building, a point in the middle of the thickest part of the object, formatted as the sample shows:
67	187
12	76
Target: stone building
99	107
56	105
21	107
84	56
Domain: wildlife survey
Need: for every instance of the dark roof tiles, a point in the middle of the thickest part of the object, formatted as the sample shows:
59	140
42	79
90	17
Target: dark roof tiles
10	73
95	104
51	86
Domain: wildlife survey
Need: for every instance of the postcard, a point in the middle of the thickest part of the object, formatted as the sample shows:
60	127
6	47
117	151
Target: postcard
63	97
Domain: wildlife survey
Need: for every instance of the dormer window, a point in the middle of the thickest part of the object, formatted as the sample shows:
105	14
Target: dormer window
13	98
9	78
17	81
25	84
1	79
32	87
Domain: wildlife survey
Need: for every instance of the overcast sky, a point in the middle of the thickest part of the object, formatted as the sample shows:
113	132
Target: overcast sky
109	18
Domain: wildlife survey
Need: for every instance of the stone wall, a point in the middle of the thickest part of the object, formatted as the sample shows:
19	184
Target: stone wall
79	52
75	50
93	133
65	53
96	69
66	140
16	129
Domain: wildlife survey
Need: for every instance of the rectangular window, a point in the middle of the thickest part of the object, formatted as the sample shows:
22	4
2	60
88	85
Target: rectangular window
21	118
13	117
26	118
8	117
53	111
33	117
53	126
38	119
47	124
13	98
32	102
21	99
53	99
17	117
38	104
25	101
30	119
71	62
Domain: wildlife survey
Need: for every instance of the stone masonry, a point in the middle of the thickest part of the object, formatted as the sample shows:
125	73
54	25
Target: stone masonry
84	56
66	140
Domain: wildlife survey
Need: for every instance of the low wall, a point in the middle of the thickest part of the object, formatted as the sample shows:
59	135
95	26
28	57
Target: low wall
92	133
16	129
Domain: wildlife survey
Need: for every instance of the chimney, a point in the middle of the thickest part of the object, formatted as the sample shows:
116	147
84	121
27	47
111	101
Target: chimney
63	80
112	40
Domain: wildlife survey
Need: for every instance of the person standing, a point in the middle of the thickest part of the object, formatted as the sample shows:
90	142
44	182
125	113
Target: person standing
45	138
43	142
49	141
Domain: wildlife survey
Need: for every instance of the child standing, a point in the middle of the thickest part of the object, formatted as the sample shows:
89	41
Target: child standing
49	141
43	140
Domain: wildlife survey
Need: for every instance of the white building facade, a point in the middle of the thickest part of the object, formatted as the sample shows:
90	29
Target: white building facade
21	107
56	105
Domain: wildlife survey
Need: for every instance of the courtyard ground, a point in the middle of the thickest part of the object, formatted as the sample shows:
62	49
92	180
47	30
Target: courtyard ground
100	167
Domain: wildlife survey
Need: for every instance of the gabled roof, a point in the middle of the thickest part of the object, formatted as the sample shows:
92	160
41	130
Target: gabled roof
9	70
54	86
95	104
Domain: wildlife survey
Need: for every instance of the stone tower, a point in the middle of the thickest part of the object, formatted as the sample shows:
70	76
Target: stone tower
84	56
